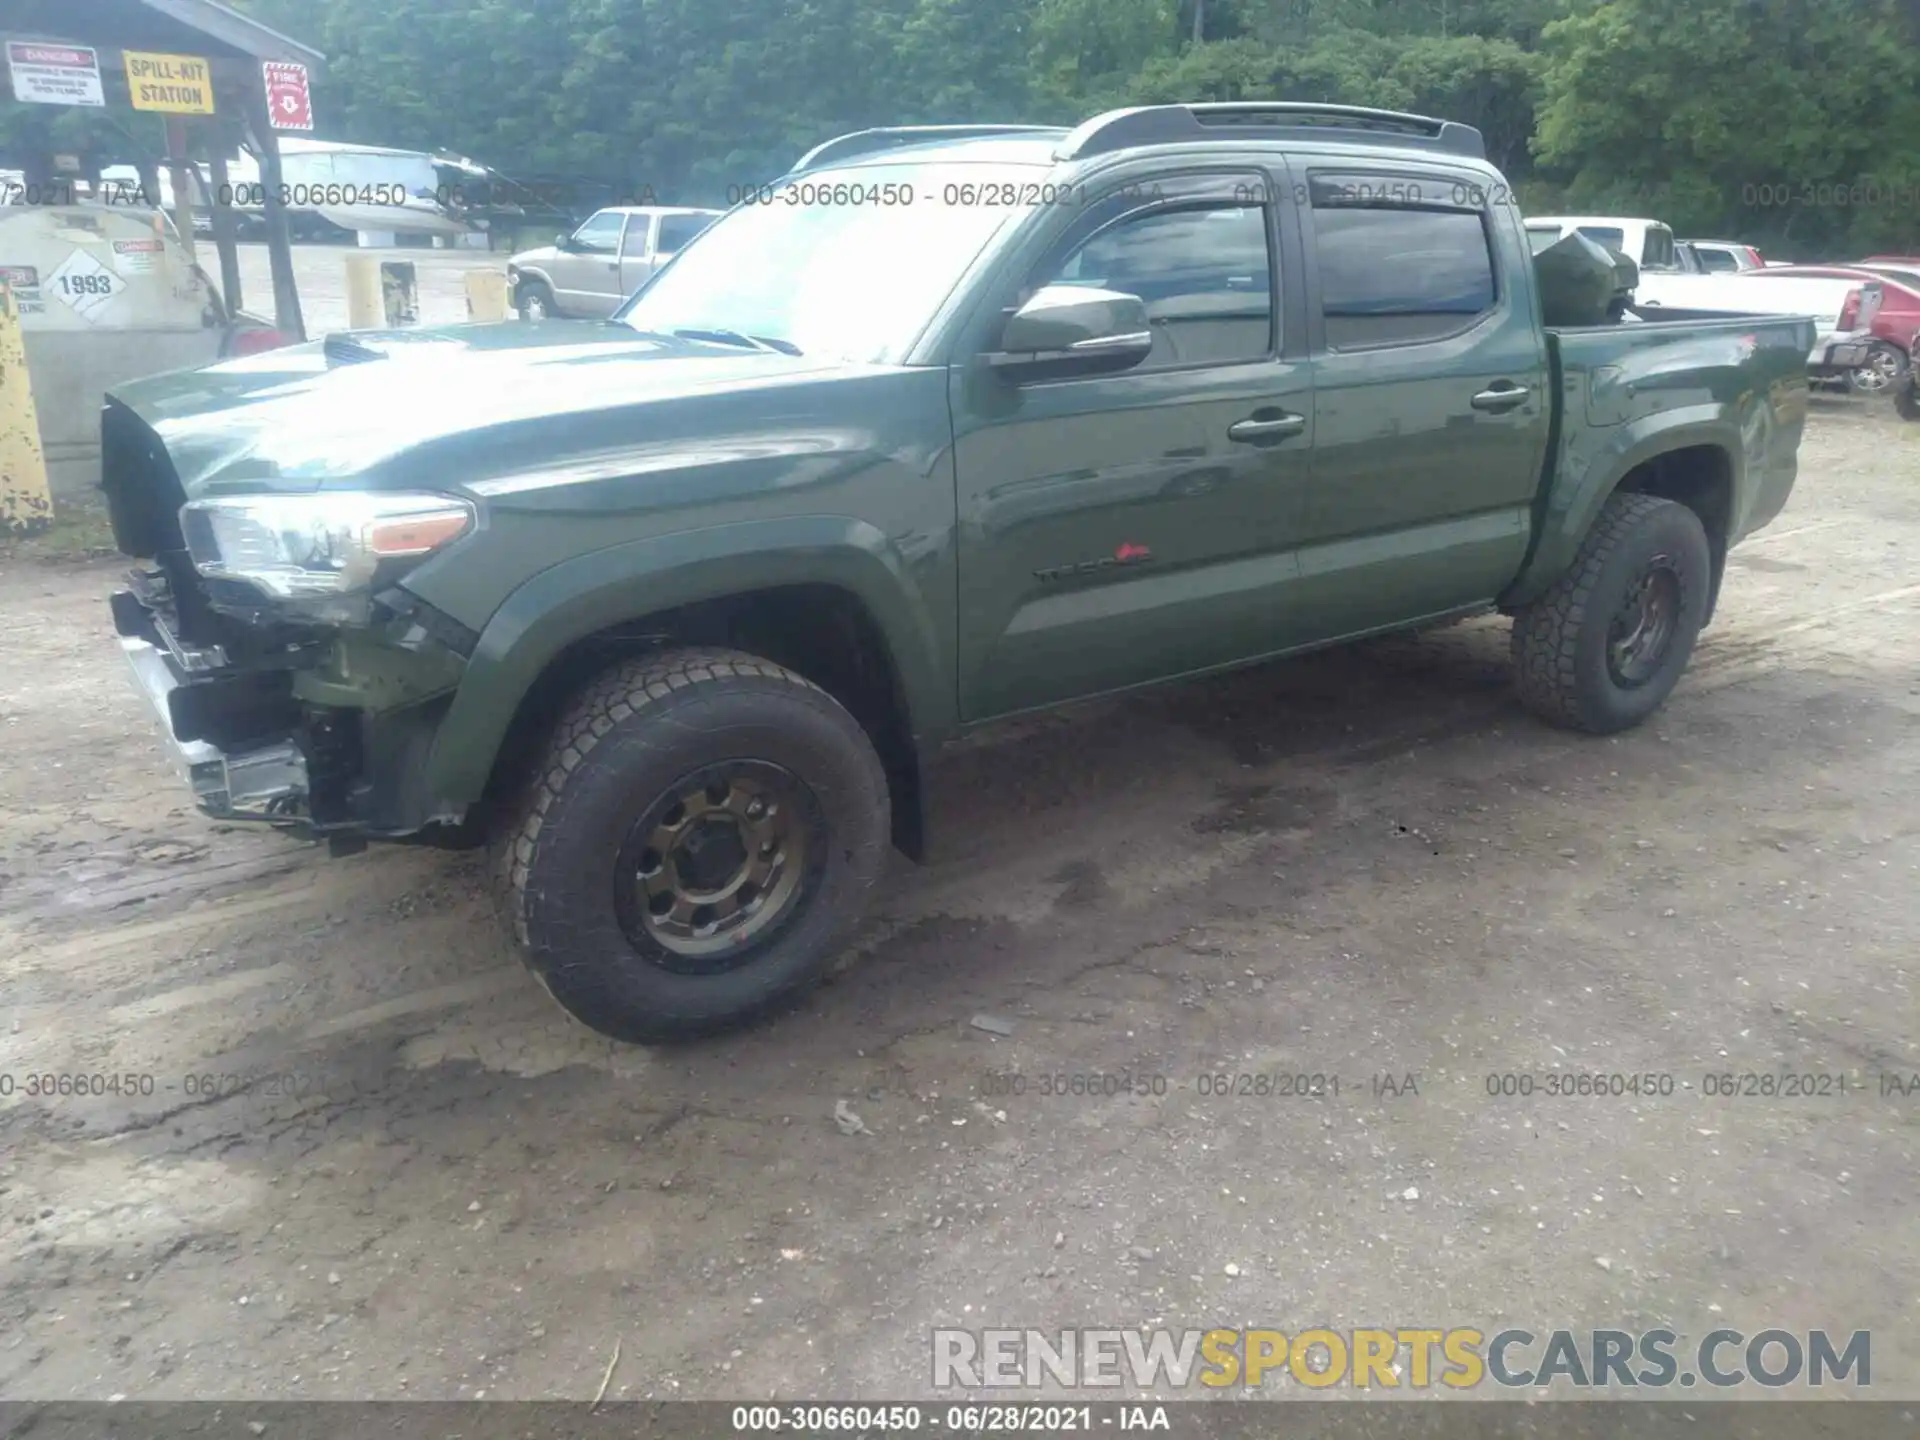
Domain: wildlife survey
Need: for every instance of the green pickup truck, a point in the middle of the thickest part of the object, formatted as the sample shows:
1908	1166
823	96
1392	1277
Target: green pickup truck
944	425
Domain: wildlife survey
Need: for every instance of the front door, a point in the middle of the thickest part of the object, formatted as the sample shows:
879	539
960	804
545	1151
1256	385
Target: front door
586	275
1430	398
1128	527
636	253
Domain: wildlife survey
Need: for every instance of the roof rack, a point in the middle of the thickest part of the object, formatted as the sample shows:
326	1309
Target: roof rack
1266	120
866	142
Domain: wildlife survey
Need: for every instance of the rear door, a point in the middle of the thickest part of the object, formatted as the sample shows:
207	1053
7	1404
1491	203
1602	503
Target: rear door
1430	396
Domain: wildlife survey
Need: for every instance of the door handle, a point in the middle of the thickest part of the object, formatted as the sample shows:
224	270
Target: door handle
1501	397
1264	430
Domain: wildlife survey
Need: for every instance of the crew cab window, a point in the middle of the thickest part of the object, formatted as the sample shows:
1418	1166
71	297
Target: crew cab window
1205	273
1397	276
678	230
600	234
638	229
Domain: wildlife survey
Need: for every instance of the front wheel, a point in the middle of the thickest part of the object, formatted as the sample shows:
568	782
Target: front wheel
698	845
1603	648
534	300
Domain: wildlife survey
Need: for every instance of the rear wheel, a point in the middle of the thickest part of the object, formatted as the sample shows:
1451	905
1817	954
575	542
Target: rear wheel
1604	647
698	845
1886	369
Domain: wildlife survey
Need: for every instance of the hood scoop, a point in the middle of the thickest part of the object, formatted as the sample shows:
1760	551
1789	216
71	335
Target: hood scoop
341	348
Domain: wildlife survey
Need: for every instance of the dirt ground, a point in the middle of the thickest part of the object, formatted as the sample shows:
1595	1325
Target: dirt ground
376	1162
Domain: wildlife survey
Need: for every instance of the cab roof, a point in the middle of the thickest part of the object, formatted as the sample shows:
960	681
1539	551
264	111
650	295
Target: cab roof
1150	126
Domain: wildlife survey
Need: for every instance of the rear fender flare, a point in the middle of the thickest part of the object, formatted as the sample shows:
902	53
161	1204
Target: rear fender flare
1594	472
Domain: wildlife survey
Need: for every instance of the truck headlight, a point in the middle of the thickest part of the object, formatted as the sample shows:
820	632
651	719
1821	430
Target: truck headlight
295	547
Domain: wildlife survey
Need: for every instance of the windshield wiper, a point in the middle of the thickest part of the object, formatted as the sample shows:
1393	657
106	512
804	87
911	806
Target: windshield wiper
735	337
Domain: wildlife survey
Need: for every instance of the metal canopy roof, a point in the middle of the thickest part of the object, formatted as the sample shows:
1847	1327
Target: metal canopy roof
191	27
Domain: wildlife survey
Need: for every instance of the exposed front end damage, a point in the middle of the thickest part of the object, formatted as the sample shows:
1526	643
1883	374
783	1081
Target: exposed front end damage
272	714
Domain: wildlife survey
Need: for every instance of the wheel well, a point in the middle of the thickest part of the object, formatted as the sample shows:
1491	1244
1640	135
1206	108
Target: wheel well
1699	477
818	631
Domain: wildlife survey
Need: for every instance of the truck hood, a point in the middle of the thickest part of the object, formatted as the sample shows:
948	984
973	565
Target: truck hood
296	418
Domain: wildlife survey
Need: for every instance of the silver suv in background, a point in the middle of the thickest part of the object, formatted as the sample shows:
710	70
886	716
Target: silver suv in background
589	272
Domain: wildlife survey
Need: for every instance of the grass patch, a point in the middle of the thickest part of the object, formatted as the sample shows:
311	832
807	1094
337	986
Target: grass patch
80	531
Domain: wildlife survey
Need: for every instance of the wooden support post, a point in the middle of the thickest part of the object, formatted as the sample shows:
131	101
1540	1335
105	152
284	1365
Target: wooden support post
220	207
286	295
181	172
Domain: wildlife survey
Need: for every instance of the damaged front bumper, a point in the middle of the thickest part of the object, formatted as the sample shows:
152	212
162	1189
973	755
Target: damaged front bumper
323	734
265	782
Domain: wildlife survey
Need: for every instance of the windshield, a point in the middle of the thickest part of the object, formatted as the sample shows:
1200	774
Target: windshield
850	263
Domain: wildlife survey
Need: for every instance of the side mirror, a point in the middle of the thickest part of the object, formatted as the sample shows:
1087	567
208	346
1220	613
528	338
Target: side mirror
1066	330
563	241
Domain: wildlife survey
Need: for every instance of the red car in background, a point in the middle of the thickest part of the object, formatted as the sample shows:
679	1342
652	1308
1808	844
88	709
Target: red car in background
1893	328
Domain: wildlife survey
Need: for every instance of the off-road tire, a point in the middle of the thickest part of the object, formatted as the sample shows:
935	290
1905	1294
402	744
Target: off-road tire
1560	640
633	734
529	290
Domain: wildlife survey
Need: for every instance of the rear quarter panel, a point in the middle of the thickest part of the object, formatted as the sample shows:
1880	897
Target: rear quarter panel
1628	393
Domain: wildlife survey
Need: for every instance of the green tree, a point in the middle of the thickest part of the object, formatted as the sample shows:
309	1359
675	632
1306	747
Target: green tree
1785	120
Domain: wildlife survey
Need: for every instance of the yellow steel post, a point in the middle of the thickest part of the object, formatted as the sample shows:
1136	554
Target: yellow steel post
486	295
399	293
380	293
26	504
364	311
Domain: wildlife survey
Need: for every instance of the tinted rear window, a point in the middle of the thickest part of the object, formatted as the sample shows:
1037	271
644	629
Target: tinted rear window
677	230
1396	277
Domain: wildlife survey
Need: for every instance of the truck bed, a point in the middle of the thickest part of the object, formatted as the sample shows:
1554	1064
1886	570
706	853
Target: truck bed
1615	383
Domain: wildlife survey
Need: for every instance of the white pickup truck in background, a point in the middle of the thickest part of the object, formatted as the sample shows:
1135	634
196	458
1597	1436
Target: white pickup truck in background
1845	309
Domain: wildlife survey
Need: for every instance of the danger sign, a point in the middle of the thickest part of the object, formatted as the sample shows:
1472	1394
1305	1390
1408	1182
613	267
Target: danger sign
289	103
55	74
176	84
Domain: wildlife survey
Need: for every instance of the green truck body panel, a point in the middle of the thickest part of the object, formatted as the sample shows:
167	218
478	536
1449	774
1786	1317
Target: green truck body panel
1015	545
909	595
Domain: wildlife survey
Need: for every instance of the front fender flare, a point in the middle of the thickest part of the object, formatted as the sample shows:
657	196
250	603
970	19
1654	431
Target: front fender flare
575	599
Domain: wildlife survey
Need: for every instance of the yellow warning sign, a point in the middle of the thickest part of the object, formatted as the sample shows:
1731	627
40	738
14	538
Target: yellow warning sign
177	84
